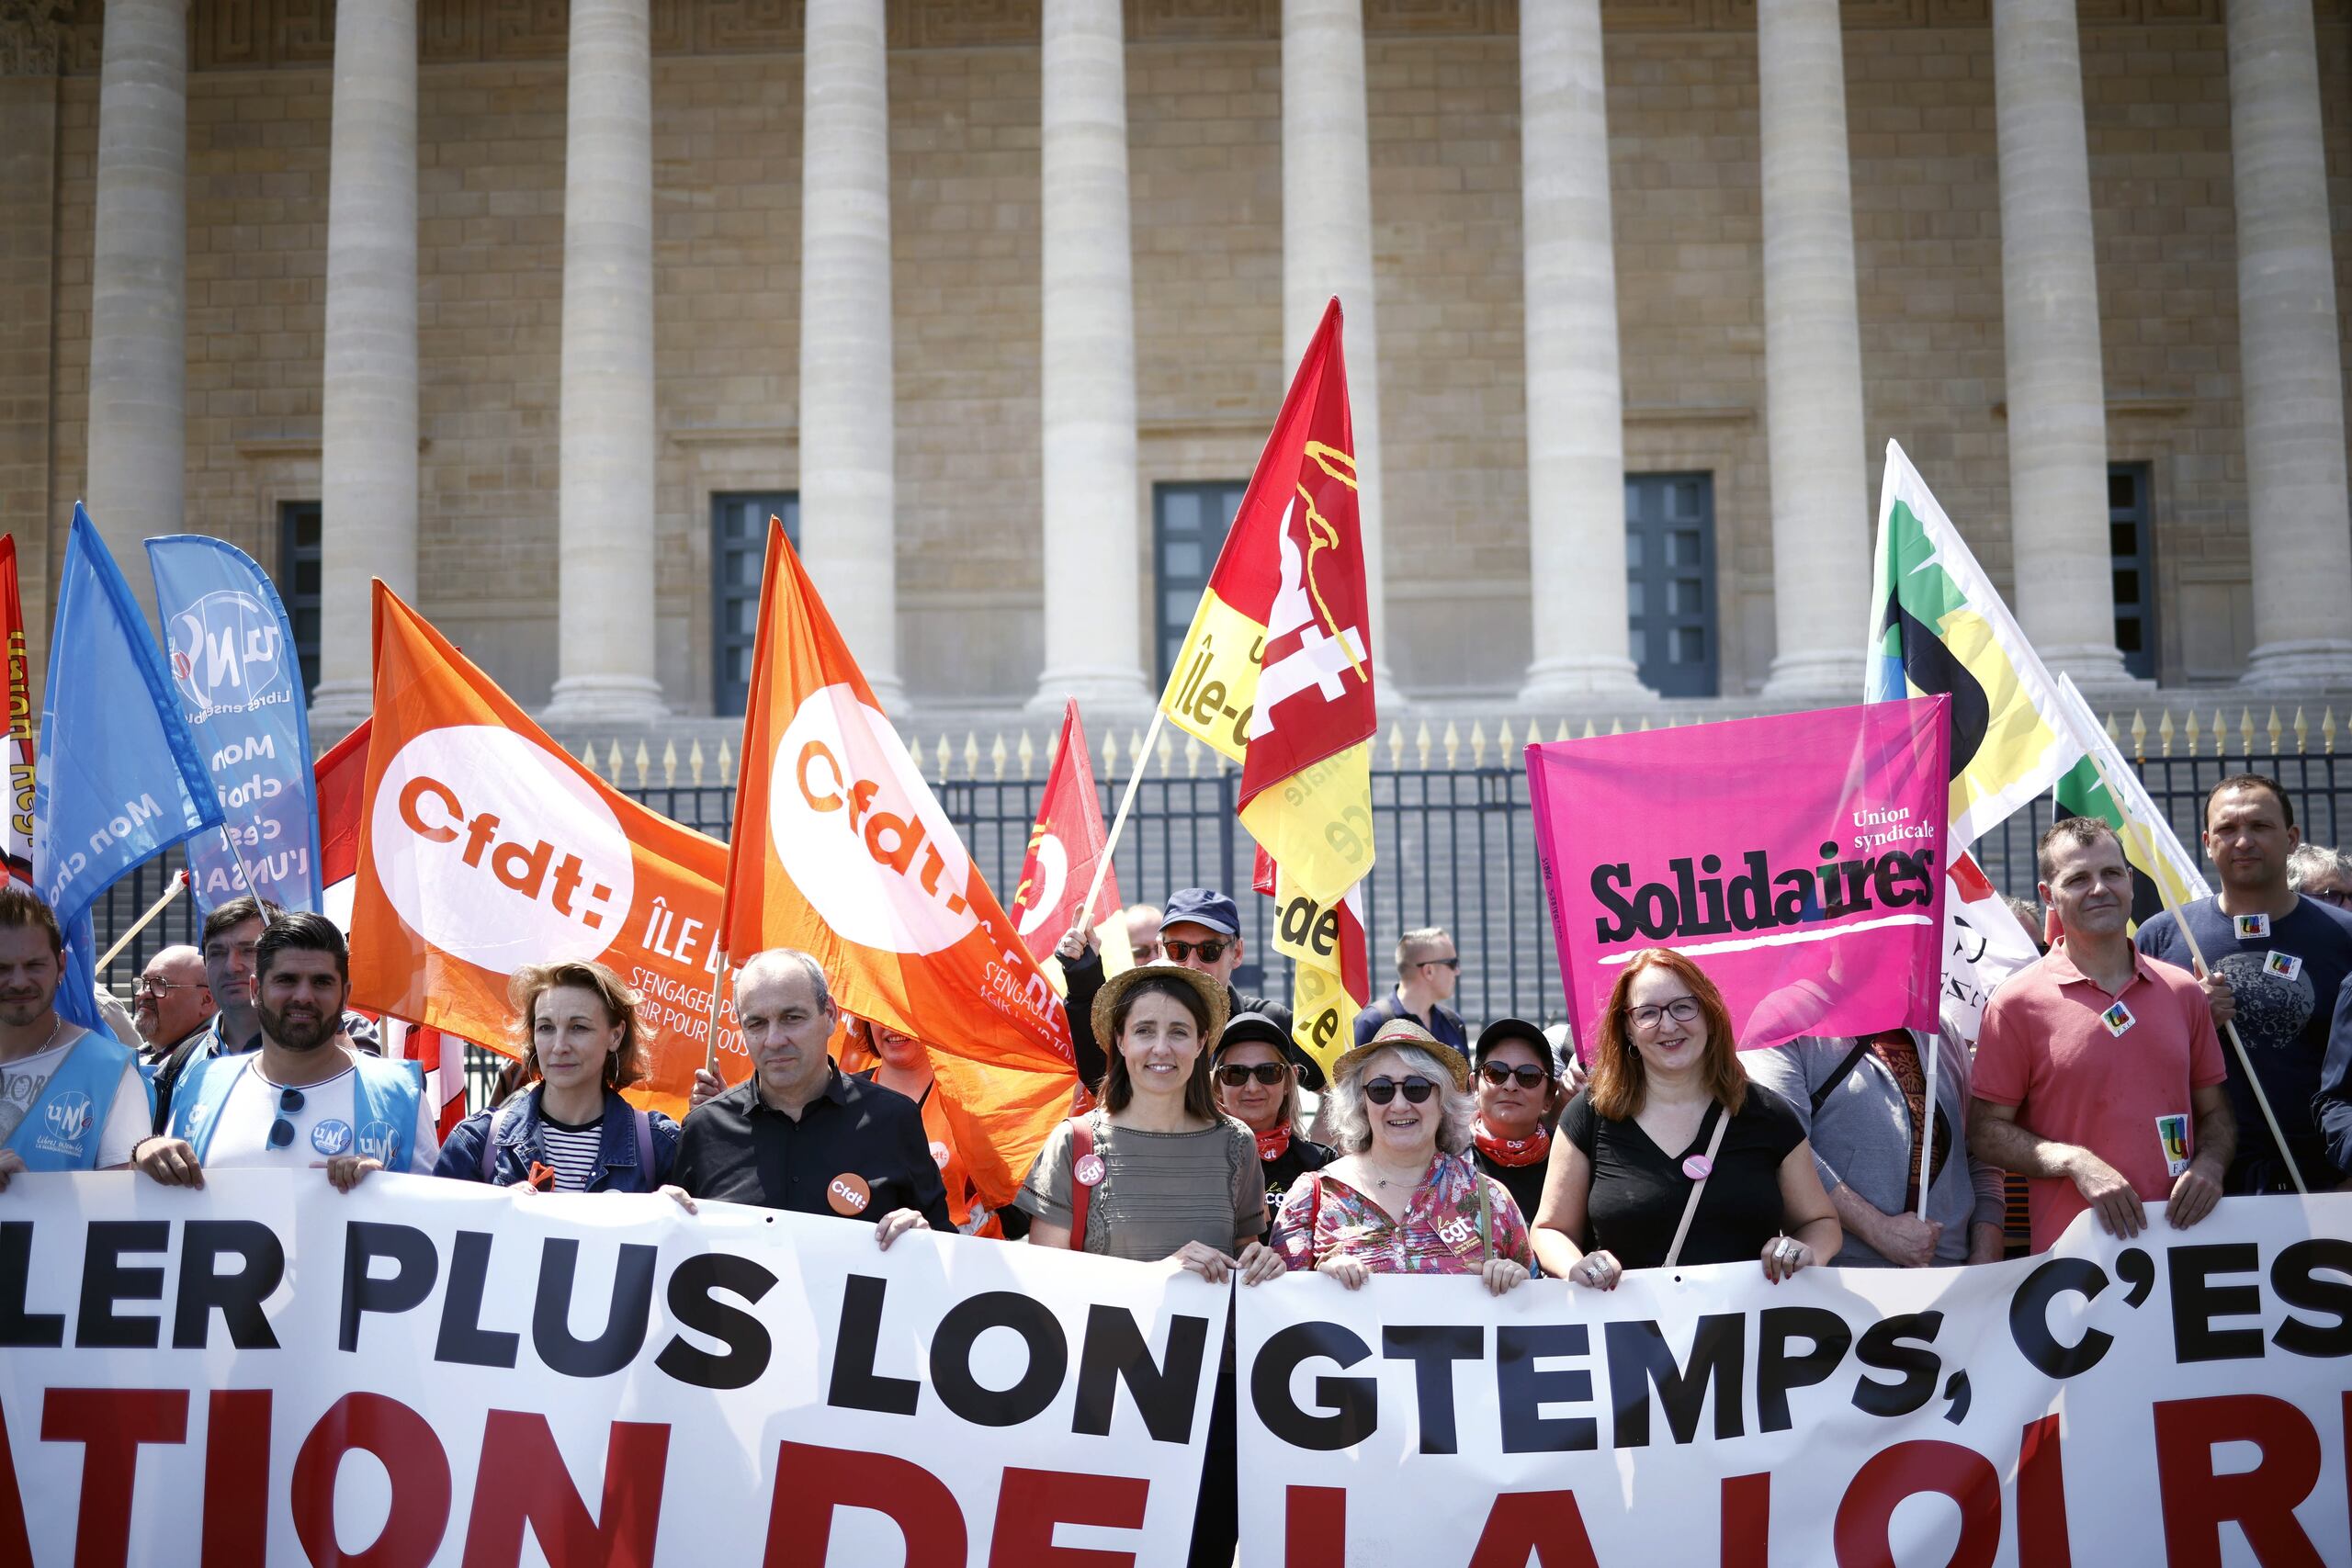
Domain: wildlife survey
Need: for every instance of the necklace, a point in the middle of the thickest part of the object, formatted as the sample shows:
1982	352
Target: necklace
56	1022
1412	1180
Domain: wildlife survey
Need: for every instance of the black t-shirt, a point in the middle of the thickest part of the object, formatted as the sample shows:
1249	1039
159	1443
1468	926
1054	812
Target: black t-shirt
2283	1021
1303	1156
1639	1191
1525	1184
735	1149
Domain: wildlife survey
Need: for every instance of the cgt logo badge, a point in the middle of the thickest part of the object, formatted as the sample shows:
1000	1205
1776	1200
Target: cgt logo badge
498	854
862	835
227	656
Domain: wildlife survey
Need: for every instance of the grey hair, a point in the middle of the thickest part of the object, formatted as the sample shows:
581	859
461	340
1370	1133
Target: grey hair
2308	863
787	959
1352	1114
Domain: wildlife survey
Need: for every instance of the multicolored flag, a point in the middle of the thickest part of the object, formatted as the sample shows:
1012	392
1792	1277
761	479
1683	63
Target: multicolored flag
1276	673
1937	625
17	842
484	847
1065	846
1331	957
232	655
2161	868
120	780
842	850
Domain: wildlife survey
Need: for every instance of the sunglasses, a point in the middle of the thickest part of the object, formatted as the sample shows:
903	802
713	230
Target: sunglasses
1449	963
1267	1073
281	1132
1528	1077
1380	1091
1207	952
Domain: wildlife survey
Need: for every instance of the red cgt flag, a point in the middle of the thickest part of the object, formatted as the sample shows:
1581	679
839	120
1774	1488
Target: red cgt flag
842	850
1065	846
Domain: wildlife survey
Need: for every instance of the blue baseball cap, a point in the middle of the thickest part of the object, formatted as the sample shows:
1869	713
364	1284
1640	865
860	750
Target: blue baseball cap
1203	907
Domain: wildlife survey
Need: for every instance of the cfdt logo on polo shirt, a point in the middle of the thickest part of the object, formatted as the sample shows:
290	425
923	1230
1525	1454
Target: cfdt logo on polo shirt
227	655
860	833
497	852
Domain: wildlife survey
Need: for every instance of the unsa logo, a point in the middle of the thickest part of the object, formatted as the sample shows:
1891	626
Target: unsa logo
226	650
860	833
497	852
70	1115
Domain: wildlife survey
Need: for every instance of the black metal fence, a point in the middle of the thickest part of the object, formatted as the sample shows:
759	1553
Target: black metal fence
1456	850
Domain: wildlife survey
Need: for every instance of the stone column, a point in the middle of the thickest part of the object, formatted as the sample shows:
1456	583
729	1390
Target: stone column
1326	250
848	425
368	489
2288	348
1821	516
604	652
2057	391
1093	629
1575	419
137	466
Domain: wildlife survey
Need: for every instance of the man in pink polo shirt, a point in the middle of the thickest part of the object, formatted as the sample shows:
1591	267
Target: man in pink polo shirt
2099	1074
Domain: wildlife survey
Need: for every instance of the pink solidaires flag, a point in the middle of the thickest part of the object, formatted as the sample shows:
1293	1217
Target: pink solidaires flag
1799	860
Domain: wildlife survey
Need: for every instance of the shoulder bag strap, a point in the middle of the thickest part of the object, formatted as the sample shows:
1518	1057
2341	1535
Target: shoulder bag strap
490	1137
1485	1215
1829	1085
644	1119
1697	1187
1082	1143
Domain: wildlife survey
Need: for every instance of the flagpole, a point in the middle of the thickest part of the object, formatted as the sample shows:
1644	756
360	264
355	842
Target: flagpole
178	887
1085	921
1928	1138
2197	953
710	1042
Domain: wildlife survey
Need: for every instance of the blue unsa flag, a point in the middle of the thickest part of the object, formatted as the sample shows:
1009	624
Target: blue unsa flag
119	780
229	650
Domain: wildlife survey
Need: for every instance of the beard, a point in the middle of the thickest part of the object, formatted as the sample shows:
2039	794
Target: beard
298	1031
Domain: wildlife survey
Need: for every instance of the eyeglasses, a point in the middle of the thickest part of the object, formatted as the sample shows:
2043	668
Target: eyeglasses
1497	1075
1267	1073
281	1132
2339	897
1448	963
1380	1091
1207	952
149	986
1682	1010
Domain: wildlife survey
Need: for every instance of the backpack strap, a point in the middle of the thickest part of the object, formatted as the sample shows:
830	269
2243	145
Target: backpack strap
498	1118
1081	1146
644	1119
1829	1085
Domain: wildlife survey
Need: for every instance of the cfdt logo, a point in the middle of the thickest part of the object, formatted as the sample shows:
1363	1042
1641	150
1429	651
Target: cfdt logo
227	654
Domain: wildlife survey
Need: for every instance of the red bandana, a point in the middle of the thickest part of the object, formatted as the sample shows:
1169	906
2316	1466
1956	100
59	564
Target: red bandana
1274	1144
1515	1152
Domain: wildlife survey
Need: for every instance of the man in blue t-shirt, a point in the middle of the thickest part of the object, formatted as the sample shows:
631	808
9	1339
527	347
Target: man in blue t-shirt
2277	960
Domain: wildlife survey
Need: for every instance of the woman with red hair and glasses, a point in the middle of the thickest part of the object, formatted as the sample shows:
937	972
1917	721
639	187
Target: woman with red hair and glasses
1669	1155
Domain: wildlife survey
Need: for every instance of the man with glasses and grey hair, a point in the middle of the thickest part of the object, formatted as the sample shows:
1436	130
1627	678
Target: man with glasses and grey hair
2317	872
1427	970
170	1002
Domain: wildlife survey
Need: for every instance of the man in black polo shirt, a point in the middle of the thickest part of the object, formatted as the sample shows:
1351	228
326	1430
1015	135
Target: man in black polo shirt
799	1133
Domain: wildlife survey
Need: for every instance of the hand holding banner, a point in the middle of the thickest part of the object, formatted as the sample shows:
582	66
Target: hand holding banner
1807	879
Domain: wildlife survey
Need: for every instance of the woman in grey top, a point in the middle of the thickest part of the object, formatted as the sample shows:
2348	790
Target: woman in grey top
1167	1175
1861	1100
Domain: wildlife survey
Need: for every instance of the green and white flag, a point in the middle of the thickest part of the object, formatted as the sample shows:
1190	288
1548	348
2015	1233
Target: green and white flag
2162	865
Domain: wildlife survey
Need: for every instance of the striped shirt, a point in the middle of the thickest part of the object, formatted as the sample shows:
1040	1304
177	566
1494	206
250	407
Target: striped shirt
571	1151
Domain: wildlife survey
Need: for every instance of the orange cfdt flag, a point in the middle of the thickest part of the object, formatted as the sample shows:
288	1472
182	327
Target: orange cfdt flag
1065	846
840	850
483	847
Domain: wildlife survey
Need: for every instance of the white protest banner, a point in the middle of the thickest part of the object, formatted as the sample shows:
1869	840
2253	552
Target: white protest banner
437	1372
2180	1398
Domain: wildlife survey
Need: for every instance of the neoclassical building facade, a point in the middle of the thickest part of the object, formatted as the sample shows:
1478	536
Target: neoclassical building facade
537	310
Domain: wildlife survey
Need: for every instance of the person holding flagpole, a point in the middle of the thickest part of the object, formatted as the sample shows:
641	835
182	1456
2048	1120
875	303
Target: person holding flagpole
70	1098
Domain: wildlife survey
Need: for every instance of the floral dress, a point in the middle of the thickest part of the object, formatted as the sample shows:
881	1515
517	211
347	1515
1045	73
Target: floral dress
1325	1217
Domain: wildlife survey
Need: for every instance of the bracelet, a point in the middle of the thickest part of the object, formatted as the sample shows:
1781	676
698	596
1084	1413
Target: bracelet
140	1146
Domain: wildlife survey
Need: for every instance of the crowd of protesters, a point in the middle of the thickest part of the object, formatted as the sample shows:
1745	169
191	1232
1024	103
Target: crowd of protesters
2098	1075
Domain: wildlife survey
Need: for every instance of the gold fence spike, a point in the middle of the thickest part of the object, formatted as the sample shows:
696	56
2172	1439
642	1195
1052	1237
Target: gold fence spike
1477	744
1616	725
670	763
971	755
1589	731
1109	754
694	763
1421	745
588	754
1396	746
996	755
2246	731
2139	736
2191	732
1028	752
613	762
1452	745
1166	753
2272	729
1502	742
1192	750
2302	733
2114	734
643	763
1564	733
726	763
946	759
2164	733
2327	731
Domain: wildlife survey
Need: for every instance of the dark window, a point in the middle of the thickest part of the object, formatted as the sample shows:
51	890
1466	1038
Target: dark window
298	553
1670	581
2132	542
1189	525
739	548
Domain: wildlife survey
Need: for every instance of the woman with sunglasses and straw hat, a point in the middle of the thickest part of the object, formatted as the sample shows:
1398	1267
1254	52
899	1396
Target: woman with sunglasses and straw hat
1257	1085
1669	1155
1403	1197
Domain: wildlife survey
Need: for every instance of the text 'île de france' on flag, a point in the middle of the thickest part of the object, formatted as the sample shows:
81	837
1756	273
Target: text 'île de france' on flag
120	779
842	850
1275	674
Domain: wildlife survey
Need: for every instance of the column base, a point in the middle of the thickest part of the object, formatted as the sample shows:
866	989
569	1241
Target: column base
1104	689
1553	682
1834	677
2323	663
338	706
2097	669
606	699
